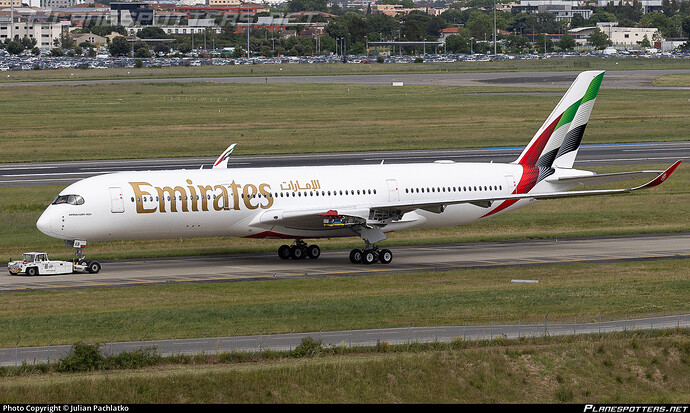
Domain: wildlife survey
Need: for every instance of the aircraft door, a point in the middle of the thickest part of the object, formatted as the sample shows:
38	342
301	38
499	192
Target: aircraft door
117	201
510	179
393	194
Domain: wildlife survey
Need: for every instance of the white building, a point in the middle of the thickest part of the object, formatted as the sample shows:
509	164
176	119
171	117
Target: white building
44	32
8	3
621	37
56	4
647	5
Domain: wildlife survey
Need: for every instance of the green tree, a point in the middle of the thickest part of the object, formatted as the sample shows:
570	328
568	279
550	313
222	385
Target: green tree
142	52
686	26
645	42
307	5
567	42
543	44
382	27
152	32
161	48
119	46
457	44
480	26
408	4
599	40
15	47
517	44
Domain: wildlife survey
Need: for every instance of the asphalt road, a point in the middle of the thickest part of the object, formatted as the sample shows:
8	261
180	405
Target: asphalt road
64	173
353	338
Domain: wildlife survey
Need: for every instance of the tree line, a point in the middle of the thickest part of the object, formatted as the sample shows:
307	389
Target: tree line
349	31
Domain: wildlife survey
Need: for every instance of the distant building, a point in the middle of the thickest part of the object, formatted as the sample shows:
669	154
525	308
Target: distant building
629	36
565	12
247	9
626	37
647	5
131	13
8	3
223	2
44	32
89	37
56	4
448	31
270	24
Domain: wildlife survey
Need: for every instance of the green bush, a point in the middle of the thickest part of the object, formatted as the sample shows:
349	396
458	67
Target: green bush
308	347
134	360
83	357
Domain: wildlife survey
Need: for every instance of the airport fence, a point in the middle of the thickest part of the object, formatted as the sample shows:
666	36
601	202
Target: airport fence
427	332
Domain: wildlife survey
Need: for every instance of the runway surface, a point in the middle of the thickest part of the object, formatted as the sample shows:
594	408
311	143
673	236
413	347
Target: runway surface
333	263
64	173
615	79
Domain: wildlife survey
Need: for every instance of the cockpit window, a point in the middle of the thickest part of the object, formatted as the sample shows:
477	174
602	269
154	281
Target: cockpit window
69	199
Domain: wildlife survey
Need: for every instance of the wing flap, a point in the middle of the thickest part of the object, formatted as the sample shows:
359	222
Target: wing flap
313	218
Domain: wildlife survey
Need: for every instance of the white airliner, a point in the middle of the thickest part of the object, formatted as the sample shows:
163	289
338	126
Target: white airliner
301	203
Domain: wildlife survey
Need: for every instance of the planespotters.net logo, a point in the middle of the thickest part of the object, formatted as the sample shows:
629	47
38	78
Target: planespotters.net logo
593	408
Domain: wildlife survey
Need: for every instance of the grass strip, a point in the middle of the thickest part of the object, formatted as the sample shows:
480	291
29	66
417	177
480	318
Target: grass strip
640	368
455	297
156	120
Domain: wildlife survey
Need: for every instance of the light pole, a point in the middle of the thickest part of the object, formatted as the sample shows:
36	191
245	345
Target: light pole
11	19
494	27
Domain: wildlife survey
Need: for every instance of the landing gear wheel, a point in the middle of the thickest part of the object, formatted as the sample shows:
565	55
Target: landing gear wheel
385	256
369	257
313	251
356	256
298	252
284	252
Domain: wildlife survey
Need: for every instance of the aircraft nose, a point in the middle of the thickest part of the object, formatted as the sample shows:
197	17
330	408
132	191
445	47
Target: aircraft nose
47	223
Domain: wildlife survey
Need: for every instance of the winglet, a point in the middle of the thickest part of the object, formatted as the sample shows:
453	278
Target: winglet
662	176
222	161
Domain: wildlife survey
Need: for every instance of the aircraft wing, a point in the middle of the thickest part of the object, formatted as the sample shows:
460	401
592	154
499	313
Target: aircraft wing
379	215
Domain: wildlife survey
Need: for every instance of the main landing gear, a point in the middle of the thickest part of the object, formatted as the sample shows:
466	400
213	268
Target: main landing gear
370	255
299	251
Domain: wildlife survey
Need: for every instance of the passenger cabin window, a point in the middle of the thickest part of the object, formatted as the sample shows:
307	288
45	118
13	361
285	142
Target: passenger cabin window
68	199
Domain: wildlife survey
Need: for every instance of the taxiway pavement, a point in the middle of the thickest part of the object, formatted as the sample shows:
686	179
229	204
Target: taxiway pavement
335	263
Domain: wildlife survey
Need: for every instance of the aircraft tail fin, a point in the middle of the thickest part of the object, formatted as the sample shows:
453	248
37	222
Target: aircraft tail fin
557	141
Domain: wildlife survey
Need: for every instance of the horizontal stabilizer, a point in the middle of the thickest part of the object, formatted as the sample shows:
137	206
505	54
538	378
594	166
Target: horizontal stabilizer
600	179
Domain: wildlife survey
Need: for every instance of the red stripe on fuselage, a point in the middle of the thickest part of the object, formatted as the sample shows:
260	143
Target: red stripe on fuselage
270	234
530	175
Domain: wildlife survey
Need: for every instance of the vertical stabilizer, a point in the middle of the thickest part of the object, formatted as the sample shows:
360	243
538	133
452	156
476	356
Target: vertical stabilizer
556	143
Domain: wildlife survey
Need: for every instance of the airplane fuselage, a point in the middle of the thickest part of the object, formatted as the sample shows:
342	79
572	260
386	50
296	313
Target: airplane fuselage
235	202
